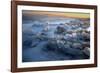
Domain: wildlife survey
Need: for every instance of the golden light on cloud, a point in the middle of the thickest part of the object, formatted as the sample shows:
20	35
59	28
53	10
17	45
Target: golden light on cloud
59	14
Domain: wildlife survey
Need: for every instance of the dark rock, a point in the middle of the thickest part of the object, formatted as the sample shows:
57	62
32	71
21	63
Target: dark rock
86	51
60	30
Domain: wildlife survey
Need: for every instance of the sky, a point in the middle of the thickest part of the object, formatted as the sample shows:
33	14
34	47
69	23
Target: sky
57	14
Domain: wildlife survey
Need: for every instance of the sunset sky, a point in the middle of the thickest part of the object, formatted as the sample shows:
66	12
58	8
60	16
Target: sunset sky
58	14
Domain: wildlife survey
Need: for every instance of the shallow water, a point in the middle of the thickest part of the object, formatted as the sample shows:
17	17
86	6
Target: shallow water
35	46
